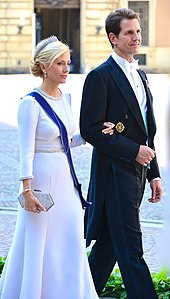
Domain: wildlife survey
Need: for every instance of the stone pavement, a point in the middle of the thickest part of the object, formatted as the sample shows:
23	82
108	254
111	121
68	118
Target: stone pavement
151	215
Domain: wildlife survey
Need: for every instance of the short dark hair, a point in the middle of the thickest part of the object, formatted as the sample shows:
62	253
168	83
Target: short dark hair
114	19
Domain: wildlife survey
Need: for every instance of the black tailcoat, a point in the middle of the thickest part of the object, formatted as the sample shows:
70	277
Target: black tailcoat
116	184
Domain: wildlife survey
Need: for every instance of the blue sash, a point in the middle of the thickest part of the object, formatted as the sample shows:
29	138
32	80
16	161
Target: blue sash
64	139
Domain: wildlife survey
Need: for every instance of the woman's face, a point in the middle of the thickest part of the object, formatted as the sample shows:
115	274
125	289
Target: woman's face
58	71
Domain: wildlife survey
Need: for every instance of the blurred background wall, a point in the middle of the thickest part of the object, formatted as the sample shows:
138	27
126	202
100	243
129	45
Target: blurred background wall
80	23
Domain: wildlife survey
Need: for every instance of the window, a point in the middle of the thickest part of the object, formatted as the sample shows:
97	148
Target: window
142	7
142	58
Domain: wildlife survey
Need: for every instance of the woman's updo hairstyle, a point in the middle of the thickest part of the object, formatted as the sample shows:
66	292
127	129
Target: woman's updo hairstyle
46	52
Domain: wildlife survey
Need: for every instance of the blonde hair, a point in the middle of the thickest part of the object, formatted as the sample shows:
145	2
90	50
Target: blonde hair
46	52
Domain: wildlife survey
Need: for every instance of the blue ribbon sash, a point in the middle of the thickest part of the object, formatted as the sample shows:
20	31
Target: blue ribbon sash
64	139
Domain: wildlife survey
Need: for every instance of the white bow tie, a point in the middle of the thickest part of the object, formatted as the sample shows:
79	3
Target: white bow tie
132	66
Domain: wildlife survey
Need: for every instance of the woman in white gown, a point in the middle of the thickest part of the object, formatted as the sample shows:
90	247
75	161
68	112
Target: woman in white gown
47	259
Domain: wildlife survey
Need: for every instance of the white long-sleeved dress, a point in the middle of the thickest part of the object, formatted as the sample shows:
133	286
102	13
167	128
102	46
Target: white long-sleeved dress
47	259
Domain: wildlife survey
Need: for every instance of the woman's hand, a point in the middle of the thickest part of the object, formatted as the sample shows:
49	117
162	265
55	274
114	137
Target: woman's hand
109	128
32	204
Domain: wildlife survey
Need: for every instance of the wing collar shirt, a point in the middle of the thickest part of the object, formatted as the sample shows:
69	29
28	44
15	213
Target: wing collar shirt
130	70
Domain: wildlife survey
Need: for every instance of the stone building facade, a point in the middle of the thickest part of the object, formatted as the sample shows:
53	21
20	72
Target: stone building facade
16	35
80	23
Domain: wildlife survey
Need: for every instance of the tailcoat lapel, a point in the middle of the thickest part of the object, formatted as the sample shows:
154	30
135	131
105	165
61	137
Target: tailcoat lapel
121	81
150	113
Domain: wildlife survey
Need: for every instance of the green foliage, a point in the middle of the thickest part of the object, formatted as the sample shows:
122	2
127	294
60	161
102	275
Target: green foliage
2	263
161	283
115	288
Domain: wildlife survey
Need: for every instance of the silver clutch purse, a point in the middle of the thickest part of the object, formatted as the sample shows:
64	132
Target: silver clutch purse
44	198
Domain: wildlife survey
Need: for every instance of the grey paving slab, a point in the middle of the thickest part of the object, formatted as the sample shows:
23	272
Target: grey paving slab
7	227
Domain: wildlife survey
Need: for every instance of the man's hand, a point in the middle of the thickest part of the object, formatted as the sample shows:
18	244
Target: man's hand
109	128
145	155
156	188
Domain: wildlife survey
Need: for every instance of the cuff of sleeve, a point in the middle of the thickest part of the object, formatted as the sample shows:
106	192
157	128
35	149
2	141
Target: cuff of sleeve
25	178
156	179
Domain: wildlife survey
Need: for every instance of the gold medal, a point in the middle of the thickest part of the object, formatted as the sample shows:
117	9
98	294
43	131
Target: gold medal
119	127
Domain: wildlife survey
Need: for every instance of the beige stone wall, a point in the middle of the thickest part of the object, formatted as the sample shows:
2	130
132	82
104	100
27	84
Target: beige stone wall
163	23
162	51
158	59
15	47
95	48
158	51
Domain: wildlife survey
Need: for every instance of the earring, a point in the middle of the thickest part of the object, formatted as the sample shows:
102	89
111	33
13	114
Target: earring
45	75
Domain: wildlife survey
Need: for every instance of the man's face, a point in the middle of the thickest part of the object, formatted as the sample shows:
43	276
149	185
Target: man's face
127	43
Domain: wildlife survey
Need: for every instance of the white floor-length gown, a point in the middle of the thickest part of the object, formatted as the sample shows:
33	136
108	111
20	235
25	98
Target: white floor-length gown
47	259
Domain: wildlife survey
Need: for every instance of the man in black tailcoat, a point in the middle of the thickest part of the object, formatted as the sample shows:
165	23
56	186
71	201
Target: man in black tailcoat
117	91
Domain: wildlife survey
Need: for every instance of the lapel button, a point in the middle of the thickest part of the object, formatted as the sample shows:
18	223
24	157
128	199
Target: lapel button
126	116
